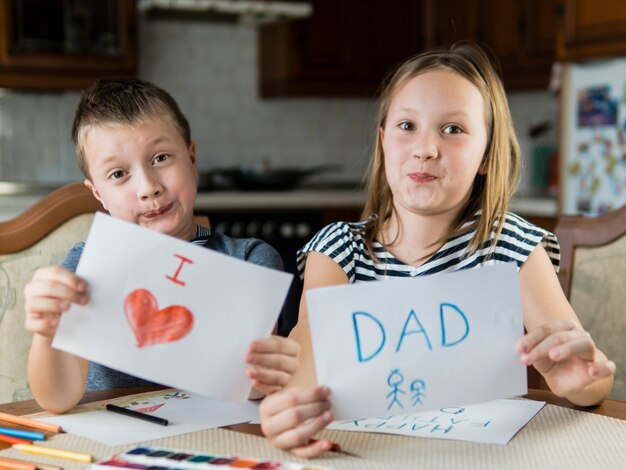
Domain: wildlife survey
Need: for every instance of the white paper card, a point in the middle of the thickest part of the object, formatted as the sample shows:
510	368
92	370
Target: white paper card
494	422
417	344
186	413
169	311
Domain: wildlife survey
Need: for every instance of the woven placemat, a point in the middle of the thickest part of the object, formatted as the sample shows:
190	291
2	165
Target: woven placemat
557	438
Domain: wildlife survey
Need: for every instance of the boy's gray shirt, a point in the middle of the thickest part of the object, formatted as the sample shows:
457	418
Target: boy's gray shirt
247	249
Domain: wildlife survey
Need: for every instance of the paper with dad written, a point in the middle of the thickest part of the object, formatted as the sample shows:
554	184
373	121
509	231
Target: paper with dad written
169	311
417	344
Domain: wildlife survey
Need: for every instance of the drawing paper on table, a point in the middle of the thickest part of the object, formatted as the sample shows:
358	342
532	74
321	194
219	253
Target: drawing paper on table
494	422
190	413
169	311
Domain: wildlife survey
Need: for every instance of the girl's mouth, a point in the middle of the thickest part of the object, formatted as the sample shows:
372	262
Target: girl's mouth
422	177
158	212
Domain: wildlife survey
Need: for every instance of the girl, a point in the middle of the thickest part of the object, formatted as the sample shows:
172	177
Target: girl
445	165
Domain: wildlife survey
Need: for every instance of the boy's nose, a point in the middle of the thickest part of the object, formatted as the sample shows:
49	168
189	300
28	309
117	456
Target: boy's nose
149	187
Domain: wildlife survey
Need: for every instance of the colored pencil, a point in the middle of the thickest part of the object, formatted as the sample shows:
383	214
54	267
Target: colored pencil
15	464
33	436
137	414
14	440
31	423
51	452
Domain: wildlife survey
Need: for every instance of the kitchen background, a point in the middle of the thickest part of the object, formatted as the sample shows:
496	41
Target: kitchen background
211	69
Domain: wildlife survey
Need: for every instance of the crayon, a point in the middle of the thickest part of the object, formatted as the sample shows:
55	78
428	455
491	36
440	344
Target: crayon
51	452
30	435
137	414
31	423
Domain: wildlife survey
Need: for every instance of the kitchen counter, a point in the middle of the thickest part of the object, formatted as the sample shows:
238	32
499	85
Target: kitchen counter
12	205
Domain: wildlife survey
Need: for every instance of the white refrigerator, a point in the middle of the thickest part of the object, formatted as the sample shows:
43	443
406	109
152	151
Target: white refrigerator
592	137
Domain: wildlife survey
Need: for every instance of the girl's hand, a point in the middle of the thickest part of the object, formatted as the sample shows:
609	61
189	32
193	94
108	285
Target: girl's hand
49	294
273	362
565	355
291	417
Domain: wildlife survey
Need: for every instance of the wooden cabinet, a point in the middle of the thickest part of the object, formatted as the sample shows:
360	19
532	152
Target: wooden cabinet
348	46
344	49
65	44
592	29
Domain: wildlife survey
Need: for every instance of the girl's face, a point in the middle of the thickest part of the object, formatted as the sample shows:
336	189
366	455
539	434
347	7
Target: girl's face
144	174
434	140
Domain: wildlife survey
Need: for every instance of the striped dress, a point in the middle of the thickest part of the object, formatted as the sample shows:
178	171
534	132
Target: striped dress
344	243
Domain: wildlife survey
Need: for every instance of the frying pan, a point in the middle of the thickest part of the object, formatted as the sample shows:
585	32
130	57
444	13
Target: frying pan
252	178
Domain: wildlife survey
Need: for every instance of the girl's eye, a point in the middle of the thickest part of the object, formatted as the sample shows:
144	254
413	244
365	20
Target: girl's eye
452	129
406	126
161	158
116	175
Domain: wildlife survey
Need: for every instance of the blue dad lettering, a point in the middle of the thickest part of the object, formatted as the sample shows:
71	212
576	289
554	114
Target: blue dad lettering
412	326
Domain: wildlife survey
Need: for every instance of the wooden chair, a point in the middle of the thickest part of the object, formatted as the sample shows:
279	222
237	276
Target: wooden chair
593	276
40	236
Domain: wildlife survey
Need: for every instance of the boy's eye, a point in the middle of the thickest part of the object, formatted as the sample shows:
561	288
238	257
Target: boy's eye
116	175
452	129
161	158
406	126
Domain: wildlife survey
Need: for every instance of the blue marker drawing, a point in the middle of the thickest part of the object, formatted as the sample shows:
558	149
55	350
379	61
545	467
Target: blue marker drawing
417	387
443	324
394	380
420	330
358	337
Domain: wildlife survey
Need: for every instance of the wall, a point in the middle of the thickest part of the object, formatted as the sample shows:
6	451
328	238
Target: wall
211	71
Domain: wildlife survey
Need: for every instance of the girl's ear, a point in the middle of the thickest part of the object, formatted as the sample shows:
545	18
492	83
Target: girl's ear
95	192
482	169
381	134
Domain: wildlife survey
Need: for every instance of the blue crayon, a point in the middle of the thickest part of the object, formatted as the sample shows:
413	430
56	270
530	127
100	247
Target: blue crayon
33	436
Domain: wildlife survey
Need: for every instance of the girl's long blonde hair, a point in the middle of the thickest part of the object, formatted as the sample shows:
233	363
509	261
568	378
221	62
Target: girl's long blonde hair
492	191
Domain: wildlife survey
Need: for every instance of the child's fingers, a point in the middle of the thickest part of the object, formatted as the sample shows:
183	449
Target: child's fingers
581	346
62	276
541	350
312	450
530	340
55	290
299	441
45	305
269	377
292	399
280	362
275	344
43	324
602	369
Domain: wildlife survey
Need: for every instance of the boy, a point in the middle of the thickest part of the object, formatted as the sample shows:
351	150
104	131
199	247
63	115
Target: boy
134	147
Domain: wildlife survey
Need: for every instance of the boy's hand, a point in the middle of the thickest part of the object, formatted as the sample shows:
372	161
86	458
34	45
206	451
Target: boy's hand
273	362
51	292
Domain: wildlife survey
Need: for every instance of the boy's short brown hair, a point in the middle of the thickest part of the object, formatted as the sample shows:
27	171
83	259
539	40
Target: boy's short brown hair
125	101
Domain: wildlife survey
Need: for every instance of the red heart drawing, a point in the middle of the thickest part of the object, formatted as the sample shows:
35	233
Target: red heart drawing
154	326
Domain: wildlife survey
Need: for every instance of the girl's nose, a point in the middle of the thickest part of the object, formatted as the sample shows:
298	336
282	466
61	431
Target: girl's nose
425	146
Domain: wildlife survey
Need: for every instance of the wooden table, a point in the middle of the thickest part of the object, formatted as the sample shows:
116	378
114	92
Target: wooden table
612	408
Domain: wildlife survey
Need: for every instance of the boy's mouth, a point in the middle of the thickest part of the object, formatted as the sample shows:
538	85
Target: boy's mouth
158	212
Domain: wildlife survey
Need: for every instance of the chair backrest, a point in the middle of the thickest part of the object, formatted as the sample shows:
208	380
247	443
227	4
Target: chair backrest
593	276
40	236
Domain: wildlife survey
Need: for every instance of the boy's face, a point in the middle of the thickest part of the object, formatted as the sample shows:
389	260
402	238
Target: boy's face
144	174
